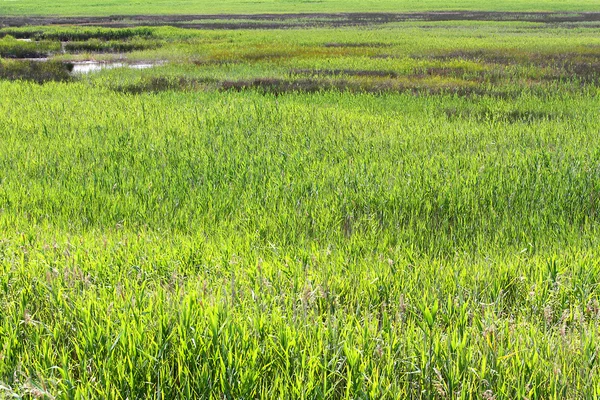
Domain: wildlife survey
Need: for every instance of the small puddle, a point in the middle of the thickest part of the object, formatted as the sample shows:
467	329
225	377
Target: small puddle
86	67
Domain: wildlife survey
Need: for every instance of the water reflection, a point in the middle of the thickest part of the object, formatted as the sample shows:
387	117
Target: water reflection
86	67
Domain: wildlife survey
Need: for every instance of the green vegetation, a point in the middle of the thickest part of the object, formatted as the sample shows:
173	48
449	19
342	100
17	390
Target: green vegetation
59	33
130	7
408	210
112	46
39	72
13	48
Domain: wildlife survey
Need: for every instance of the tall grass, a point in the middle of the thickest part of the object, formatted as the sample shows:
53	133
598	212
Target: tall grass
239	245
12	48
179	241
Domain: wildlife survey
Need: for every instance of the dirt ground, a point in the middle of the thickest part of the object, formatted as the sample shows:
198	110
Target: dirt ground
284	21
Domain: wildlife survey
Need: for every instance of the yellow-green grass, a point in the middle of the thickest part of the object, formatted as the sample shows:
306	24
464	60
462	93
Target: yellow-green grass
130	7
162	236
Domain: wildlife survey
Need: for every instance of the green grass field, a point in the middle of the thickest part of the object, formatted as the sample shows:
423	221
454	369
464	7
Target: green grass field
399	210
133	7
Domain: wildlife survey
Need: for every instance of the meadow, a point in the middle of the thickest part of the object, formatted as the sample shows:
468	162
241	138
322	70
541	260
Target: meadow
162	7
399	210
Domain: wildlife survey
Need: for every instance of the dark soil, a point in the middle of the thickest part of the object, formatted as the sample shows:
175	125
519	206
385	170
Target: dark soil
300	20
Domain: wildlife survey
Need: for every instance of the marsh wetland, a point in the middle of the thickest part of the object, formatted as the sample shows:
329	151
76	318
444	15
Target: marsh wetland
315	206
